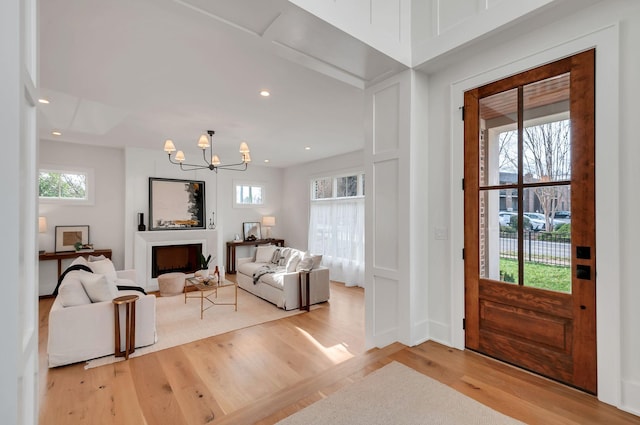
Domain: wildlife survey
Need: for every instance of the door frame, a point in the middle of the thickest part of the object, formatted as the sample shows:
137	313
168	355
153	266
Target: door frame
608	328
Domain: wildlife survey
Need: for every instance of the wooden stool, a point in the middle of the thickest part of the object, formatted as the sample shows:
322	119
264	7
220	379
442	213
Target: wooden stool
129	302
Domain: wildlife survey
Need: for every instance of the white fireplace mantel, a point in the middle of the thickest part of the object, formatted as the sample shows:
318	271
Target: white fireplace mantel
144	241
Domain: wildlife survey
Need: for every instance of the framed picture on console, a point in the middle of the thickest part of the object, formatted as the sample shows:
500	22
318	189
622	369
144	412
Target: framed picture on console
68	236
251	230
176	204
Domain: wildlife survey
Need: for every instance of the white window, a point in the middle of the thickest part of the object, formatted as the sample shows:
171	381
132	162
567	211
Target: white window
58	185
336	226
343	186
248	195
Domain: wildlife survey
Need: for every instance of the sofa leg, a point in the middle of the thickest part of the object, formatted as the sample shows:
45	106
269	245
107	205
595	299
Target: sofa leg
307	291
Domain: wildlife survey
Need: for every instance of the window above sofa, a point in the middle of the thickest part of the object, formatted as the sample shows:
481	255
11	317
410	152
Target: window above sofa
248	194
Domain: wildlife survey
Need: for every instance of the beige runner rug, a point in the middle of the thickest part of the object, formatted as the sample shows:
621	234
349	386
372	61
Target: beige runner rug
398	395
178	323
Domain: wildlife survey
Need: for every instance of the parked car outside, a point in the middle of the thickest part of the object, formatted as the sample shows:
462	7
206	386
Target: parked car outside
505	217
560	218
531	223
540	221
563	214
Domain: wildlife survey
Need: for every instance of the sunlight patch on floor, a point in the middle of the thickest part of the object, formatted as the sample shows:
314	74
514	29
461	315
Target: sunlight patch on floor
336	353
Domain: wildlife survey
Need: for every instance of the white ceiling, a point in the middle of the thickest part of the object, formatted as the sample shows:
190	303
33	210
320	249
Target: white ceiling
136	72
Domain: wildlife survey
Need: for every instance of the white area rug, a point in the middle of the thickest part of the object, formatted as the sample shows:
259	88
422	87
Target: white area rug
178	323
397	394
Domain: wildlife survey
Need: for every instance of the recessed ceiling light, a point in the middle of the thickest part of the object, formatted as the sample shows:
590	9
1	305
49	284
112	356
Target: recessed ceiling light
307	148
265	93
43	100
266	160
56	133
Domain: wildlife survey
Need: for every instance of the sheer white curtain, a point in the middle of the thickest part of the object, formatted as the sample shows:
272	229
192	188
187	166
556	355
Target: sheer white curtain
336	230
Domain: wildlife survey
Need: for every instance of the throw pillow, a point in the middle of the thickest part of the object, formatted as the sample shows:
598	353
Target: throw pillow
317	260
306	262
264	253
71	291
79	260
104	267
96	258
98	287
285	253
276	256
293	261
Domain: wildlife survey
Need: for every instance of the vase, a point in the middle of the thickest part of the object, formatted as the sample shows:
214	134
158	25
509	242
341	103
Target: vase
203	274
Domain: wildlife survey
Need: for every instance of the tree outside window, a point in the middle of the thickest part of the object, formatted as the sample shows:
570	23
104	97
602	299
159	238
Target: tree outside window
62	185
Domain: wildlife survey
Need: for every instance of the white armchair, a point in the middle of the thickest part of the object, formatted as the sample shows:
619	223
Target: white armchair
81	330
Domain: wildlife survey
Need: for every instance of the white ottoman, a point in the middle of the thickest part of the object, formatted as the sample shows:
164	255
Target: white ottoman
171	284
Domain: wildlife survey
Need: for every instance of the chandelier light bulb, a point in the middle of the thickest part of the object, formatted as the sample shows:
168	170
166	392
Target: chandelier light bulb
180	156
169	146
215	160
244	148
203	142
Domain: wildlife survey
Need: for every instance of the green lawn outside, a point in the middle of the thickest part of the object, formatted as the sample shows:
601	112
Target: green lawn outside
536	275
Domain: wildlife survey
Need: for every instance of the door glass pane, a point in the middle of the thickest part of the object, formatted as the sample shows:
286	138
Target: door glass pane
546	142
499	139
547	239
498	239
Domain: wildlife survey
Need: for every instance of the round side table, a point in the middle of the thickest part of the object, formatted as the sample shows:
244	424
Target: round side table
129	302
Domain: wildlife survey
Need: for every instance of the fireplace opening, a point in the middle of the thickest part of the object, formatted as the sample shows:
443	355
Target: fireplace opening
175	258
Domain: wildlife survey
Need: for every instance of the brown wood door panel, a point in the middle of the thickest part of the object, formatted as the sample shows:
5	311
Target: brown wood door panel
522	296
550	363
552	333
527	325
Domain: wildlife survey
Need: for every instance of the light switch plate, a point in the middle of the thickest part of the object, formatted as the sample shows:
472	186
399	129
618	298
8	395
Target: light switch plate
441	233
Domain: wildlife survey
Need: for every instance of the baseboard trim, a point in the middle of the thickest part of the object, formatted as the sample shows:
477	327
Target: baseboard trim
630	397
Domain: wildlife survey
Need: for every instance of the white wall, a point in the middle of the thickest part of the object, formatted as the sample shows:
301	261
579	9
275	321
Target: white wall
628	222
440	26
296	194
144	163
616	196
383	24
104	217
19	384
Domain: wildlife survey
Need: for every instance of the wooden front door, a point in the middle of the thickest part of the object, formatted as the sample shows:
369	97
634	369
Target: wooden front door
530	278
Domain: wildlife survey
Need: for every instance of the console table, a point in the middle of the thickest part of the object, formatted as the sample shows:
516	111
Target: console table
59	256
231	250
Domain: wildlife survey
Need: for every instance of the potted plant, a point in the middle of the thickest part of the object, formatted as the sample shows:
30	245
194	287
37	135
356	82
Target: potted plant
204	266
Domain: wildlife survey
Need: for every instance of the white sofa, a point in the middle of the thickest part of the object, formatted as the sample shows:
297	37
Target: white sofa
80	329
282	287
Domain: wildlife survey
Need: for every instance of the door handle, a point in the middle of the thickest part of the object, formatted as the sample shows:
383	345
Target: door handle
583	272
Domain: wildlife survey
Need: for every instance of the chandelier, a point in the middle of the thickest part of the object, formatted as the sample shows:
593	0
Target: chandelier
212	162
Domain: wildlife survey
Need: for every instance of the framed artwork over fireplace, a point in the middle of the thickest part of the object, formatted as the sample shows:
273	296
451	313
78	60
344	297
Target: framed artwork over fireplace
176	204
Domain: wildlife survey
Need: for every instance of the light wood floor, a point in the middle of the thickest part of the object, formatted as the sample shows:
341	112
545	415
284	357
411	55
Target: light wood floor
264	373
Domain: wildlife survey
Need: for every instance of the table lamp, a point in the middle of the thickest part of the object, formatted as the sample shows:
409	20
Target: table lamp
42	228
268	222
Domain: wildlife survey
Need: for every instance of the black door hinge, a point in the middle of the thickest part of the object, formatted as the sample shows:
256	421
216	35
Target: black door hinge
462	111
463	253
462	184
464	324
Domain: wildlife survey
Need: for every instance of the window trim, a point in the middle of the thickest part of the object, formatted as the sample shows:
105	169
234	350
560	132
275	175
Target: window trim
63	169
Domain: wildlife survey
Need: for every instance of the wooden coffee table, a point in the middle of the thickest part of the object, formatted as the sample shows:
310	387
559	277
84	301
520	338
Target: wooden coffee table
207	291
